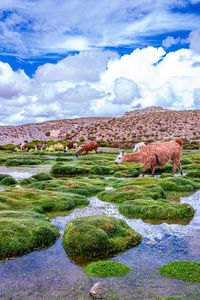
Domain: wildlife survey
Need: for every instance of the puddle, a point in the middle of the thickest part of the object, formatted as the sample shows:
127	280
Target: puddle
49	273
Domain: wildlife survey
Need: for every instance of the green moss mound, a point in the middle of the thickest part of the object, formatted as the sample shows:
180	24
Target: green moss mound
2	176
23	232
156	209
132	192
22	162
8	181
62	170
40	201
128	173
77	187
98	235
183	270
107	268
102	170
42	176
166	175
185	161
178	184
193	174
64	159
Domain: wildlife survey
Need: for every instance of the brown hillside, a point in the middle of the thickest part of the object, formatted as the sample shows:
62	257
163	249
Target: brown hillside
129	129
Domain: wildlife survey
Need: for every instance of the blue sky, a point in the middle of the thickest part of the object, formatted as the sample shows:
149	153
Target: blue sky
65	59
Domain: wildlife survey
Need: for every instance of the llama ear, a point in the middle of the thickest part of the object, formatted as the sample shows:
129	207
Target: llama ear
122	153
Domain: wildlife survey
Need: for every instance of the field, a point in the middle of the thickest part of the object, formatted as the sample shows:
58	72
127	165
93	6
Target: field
60	213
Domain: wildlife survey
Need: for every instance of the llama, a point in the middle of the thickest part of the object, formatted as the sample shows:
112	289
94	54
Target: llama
40	146
88	147
24	146
155	154
72	145
139	146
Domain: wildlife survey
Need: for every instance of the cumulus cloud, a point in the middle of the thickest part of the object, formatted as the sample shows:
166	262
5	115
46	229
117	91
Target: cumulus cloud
125	91
146	77
13	84
85	66
194	39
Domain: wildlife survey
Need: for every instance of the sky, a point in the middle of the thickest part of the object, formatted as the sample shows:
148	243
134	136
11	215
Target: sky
64	59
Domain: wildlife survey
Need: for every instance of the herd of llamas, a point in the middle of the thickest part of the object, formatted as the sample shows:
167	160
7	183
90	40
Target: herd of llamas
151	155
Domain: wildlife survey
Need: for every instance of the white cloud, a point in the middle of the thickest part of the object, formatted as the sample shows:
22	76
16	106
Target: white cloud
169	41
143	78
85	66
51	26
194	39
125	91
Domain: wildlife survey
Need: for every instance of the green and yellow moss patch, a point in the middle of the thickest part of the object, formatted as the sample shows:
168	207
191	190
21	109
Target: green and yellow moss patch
6	179
107	268
132	192
70	186
127	173
28	161
63	170
102	170
178	184
47	202
156	209
94	236
23	232
183	270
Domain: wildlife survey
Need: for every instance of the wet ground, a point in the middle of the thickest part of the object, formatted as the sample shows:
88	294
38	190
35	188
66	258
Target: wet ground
49	273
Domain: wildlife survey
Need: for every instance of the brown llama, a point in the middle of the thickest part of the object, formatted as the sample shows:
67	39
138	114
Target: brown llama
25	146
88	147
72	145
155	154
39	146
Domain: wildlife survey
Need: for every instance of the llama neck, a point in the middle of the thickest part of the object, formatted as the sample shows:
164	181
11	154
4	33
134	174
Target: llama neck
79	152
133	157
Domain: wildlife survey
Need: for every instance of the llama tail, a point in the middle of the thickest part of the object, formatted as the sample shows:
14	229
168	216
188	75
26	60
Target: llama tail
179	141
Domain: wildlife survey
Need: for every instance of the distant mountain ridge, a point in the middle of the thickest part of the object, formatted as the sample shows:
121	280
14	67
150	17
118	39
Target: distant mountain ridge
148	124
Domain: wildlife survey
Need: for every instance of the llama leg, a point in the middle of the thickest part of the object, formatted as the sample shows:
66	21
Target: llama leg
145	167
180	168
174	167
152	170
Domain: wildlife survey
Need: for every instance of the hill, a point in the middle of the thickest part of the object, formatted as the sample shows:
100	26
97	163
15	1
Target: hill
152	124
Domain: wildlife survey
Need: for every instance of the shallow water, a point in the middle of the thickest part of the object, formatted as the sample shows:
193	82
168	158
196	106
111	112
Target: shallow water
24	172
50	274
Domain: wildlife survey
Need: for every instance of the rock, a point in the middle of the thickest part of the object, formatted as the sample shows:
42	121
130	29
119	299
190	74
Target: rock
96	290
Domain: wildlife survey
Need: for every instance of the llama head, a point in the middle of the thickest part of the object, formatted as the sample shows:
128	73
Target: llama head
119	159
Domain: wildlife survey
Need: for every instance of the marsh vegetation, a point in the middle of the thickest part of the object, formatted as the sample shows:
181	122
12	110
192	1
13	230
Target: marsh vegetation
105	214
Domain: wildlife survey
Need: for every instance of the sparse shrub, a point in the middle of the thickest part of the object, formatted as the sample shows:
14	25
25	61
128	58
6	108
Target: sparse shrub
48	133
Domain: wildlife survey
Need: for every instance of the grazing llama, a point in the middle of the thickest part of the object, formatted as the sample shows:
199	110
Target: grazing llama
88	147
72	145
139	146
24	146
155	154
